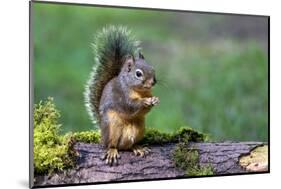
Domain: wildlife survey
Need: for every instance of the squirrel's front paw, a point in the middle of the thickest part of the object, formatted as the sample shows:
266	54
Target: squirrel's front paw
111	156
155	100
141	151
152	101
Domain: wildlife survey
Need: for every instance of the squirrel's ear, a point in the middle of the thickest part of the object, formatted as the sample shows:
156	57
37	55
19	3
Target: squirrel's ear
141	55
129	62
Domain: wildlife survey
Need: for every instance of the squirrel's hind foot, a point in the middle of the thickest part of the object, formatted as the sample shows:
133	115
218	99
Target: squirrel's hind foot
111	156
141	151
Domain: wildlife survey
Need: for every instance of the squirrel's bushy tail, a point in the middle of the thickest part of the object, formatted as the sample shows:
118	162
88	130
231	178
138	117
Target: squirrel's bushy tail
111	46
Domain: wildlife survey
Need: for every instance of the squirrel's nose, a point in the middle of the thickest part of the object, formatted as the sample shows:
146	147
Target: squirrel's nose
154	80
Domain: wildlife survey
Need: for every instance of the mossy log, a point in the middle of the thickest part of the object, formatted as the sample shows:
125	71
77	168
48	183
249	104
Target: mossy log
224	158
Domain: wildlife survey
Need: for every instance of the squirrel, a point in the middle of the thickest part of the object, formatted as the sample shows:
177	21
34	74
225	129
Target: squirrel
119	92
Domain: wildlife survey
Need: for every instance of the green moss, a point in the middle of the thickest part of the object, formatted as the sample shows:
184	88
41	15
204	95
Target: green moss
203	171
154	136
184	134
87	136
51	151
188	160
184	158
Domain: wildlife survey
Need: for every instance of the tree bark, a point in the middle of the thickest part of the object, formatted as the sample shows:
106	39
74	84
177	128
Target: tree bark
223	157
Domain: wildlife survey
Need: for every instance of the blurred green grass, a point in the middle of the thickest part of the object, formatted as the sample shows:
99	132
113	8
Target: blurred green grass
211	77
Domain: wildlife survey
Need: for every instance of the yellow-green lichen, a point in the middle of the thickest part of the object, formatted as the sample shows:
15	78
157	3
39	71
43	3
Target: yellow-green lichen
187	159
51	151
257	160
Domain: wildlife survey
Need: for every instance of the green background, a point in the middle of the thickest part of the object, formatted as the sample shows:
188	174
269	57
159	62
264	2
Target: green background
212	69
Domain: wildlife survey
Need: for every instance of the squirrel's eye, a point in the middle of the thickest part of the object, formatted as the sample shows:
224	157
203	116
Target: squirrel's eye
139	73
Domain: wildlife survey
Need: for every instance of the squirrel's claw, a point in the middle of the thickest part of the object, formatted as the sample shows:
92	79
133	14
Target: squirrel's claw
141	151
111	157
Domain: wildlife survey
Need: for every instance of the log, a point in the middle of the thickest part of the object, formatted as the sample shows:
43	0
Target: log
224	158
